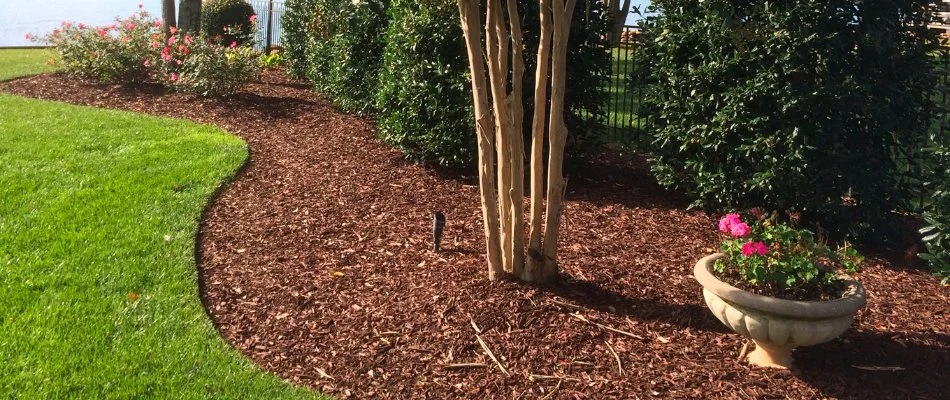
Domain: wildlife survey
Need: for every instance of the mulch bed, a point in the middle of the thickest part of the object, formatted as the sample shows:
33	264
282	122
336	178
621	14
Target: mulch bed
316	263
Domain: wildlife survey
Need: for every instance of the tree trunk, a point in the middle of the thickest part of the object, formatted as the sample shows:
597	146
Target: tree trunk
563	12
535	252
471	26
168	16
516	137
503	210
189	16
618	16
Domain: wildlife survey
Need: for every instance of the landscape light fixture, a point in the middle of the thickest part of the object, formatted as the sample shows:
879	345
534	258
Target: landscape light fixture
438	225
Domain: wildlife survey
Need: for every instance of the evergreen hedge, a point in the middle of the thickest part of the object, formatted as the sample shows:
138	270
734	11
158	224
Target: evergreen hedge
790	105
417	70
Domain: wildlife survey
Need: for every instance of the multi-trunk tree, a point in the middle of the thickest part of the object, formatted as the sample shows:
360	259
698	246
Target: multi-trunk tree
497	92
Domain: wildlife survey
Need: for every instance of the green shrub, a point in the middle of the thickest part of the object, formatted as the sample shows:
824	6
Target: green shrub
337	45
424	96
114	53
788	105
233	20
297	25
936	233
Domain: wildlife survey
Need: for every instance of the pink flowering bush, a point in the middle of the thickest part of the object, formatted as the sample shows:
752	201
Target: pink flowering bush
112	53
776	259
135	49
204	66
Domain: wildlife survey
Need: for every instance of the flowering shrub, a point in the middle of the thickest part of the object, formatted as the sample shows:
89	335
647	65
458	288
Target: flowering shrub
111	53
778	260
203	66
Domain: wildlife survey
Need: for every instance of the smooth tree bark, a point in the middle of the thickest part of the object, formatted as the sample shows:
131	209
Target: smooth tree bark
189	16
618	11
499	115
168	16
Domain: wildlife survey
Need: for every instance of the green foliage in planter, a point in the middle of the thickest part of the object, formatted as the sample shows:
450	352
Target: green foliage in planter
779	260
340	42
424	97
230	19
789	105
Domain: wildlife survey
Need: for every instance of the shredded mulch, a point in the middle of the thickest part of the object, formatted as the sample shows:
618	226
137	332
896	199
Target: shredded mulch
315	262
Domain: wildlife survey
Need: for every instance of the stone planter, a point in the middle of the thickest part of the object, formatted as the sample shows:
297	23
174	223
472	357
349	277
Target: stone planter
775	325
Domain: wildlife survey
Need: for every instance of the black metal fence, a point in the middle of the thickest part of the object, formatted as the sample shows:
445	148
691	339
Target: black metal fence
269	14
624	123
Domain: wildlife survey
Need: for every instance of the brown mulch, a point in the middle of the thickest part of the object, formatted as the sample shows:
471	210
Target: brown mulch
316	263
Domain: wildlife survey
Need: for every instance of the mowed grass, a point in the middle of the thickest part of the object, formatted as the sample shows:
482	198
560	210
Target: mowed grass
624	125
98	284
20	62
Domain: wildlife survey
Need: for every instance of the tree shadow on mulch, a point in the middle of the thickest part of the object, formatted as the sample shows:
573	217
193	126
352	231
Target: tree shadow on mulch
612	177
869	365
591	295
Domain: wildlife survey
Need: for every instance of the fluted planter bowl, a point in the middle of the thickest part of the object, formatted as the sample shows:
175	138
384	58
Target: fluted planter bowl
776	325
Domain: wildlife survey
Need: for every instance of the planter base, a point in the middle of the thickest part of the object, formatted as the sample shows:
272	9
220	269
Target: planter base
771	356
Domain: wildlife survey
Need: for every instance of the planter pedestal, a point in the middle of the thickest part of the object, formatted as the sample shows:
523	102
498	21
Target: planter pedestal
777	326
766	355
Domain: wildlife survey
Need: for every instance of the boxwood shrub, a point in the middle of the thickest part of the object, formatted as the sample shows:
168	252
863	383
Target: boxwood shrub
792	105
422	100
336	44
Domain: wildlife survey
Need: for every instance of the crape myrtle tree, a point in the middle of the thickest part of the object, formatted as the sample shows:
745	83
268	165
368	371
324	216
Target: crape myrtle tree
499	112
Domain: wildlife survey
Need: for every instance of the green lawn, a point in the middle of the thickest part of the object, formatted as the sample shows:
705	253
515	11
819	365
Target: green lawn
623	123
98	283
20	62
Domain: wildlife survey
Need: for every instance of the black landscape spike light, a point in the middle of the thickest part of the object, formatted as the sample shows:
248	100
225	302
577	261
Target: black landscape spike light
438	225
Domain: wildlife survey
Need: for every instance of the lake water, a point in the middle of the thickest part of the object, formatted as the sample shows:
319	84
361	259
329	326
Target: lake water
19	17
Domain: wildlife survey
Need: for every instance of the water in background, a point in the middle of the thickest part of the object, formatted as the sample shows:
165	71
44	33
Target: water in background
19	17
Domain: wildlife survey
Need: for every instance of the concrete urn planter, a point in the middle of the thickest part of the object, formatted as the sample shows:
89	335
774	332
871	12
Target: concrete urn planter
776	325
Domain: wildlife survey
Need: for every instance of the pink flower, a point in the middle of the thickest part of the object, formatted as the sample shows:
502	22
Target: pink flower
253	18
173	30
173	77
29	36
726	222
233	45
172	40
130	26
740	229
113	26
751	248
155	45
103	32
146	63
188	39
158	23
81	25
140	5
